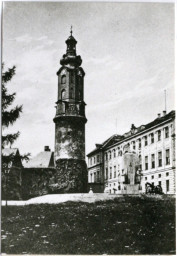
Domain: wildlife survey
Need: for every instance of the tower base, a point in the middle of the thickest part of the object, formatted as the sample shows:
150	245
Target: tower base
71	175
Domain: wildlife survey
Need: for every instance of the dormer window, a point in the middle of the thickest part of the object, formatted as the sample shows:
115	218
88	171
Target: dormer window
63	79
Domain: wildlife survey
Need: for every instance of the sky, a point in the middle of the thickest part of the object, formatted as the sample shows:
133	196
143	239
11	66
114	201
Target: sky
128	57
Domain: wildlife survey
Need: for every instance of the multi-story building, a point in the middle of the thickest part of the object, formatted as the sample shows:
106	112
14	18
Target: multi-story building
154	147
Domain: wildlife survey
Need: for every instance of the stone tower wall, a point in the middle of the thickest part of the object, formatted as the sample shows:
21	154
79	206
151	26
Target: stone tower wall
70	139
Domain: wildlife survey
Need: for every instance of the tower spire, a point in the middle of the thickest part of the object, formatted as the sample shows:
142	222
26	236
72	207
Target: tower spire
71	32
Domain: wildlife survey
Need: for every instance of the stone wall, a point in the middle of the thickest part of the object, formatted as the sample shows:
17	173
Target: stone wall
37	181
69	176
11	184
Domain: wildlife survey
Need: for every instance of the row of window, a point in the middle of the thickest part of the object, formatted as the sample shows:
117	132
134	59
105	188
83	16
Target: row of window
63	79
159	159
71	94
112	154
112	173
95	177
94	160
159	176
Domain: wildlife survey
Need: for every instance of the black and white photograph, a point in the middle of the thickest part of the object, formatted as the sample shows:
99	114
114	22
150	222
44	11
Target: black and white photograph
88	145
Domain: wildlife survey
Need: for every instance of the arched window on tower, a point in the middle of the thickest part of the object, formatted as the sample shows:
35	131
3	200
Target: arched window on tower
72	78
63	94
71	94
80	95
63	79
80	79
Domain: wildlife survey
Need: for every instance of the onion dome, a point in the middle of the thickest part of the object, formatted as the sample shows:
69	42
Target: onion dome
70	58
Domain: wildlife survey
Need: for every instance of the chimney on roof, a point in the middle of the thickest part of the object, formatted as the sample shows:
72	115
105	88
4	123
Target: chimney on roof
164	112
46	148
159	115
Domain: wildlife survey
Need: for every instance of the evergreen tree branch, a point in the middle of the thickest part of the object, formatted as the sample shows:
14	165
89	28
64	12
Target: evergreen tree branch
9	139
7	76
9	117
25	157
7	99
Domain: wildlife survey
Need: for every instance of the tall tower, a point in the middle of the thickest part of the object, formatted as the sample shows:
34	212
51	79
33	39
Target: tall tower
70	123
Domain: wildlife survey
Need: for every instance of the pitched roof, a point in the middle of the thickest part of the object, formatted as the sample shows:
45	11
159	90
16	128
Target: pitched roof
155	122
116	138
42	160
9	151
111	140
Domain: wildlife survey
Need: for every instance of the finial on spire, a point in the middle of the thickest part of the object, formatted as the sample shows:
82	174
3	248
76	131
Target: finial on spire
71	30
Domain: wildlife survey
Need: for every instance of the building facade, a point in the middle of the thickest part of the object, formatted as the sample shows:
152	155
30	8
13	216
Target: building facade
153	146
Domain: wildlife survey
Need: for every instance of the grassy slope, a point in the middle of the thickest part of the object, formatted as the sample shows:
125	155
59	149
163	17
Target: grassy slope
121	226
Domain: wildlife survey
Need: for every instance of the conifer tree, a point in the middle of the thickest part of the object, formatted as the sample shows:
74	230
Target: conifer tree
9	115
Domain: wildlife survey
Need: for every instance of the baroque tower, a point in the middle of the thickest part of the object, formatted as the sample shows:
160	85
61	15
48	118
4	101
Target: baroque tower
70	123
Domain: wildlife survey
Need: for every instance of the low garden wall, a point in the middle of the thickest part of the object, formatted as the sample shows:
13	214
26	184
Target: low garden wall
69	176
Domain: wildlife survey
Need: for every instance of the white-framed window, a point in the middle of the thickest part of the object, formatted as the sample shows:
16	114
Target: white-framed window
110	155
152	161
134	145
160	158
140	162
159	135
91	178
167	185
166	132
114	171
98	176
145	141
90	161
146	162
114	153
152	138
167	158
106	173
110	173
94	176
106	156
139	143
